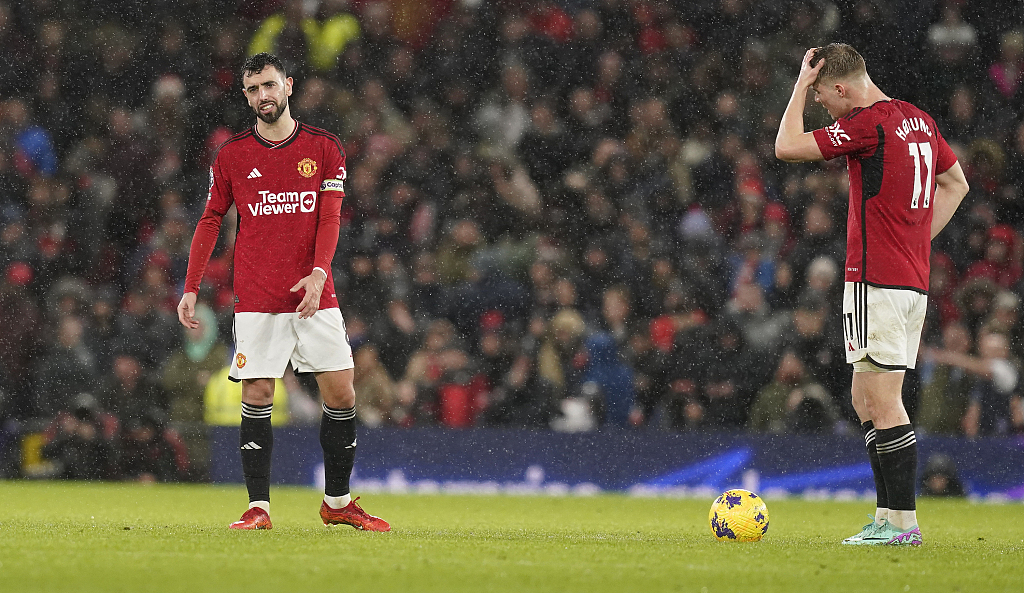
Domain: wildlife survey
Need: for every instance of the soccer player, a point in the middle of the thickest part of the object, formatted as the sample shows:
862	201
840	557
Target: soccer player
905	185
286	181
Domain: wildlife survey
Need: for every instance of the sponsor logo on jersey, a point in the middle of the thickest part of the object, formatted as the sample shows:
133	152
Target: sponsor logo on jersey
240	360
286	202
255	173
307	167
836	134
332	185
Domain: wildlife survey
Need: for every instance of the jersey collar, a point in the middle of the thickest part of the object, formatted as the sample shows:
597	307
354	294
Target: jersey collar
271	143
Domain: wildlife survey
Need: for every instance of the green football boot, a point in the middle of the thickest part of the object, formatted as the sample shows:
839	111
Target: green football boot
885	534
866	534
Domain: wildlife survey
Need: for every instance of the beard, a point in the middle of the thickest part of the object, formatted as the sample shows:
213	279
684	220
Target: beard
274	115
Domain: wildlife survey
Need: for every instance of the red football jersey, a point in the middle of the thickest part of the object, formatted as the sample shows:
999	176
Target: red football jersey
894	151
288	197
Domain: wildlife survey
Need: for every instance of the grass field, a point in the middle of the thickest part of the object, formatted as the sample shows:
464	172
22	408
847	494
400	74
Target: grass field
121	537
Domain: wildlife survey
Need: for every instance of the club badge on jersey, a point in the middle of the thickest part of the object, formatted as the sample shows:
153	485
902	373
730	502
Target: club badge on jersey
307	167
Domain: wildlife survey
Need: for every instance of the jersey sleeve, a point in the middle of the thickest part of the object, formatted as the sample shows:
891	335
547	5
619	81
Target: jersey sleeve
332	192
848	136
218	201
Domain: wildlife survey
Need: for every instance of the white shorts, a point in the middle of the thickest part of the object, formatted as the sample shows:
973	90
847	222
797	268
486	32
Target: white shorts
882	327
266	342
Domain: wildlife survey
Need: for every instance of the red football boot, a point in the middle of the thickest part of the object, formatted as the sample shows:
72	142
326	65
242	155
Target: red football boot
254	518
352	515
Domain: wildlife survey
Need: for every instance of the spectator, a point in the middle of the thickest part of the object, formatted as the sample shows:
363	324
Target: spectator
304	42
613	379
1007	73
523	399
438	362
749	264
68	364
184	377
818	239
730	374
399	331
22	321
940	478
496	353
794	402
375	387
504	116
150	451
34	152
1002	260
820	350
81	443
544	149
993	395
128	392
562	356
945	388
762	328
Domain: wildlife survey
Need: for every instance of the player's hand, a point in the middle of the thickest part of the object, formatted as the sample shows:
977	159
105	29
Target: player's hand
187	310
313	285
808	73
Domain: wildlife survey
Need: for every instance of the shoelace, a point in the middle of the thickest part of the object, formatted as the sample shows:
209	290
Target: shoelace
358	509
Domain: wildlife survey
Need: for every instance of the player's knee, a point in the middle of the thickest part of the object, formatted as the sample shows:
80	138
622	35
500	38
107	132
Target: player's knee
258	392
340	397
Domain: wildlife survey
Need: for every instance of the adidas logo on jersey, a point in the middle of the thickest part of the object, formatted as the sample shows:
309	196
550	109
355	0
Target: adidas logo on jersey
254	174
251	446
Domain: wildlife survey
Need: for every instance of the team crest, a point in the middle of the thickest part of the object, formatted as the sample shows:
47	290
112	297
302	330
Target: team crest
240	360
307	167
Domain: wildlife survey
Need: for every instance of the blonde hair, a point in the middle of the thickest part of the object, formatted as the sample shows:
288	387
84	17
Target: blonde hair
841	61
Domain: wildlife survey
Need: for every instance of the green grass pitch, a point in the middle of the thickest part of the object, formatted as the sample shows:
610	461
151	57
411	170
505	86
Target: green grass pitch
126	537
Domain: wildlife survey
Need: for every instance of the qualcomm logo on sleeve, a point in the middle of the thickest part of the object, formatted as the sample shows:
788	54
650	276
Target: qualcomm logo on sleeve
286	202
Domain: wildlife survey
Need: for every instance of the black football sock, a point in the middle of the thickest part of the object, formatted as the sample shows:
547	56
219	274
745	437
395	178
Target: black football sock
338	439
897	456
876	468
256	439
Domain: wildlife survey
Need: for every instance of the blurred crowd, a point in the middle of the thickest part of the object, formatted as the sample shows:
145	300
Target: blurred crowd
559	214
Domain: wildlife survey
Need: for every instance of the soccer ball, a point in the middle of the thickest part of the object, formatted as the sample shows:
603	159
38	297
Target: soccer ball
738	516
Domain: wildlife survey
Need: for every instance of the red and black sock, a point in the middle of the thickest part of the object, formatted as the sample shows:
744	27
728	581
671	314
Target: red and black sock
256	439
338	439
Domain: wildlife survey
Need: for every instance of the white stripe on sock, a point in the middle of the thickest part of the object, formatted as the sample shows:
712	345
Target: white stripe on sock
904	441
343	414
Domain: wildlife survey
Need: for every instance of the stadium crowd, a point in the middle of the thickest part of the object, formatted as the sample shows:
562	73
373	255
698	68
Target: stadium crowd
562	214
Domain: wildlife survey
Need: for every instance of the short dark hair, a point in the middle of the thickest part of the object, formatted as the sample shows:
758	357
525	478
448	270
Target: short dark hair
841	60
255	64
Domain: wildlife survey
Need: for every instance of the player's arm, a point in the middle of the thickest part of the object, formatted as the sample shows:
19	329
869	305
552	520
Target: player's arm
332	192
203	242
950	189
793	144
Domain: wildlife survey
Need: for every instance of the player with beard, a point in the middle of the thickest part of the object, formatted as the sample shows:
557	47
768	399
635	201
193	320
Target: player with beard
286	181
905	185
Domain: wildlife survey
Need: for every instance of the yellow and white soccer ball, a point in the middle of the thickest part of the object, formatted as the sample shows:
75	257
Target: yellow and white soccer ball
738	516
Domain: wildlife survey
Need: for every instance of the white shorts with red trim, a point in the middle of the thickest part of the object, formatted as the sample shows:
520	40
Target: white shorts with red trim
266	342
882	327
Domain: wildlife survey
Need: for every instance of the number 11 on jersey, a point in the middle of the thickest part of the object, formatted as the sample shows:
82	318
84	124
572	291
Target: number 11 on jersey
922	152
